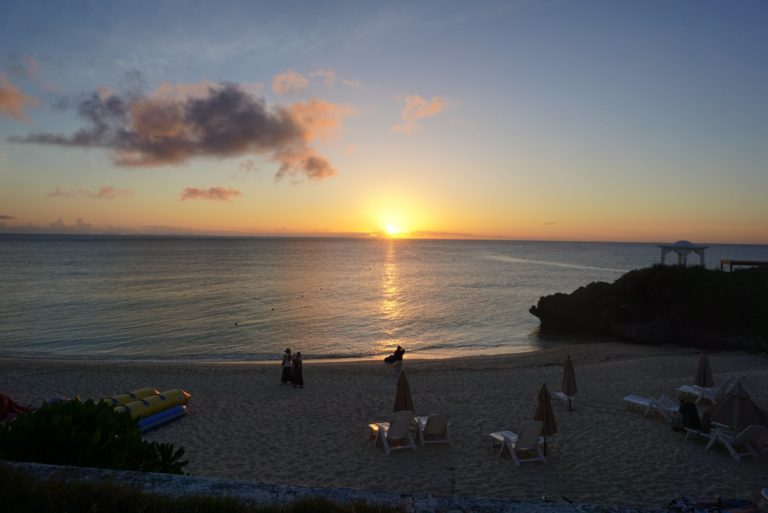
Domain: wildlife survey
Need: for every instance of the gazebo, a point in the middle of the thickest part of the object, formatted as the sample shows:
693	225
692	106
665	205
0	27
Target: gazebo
683	248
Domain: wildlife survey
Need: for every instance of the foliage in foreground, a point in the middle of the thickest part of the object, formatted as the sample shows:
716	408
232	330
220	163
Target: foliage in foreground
668	304
85	434
20	493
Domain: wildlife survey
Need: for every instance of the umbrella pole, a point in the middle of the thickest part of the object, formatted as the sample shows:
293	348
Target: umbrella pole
545	445
569	403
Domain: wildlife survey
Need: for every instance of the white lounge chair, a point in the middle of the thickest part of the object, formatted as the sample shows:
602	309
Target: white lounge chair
396	434
667	408
637	401
563	397
699	394
434	429
525	446
745	439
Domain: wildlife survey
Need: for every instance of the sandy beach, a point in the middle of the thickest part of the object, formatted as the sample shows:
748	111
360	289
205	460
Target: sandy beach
244	424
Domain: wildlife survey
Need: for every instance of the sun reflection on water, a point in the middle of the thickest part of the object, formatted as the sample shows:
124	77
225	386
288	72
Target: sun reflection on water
389	302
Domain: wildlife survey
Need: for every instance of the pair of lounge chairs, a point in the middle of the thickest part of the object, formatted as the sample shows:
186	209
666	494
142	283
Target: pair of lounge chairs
664	406
738	444
525	446
699	394
397	434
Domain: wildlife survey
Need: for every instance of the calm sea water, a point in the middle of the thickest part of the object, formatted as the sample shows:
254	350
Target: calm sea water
242	299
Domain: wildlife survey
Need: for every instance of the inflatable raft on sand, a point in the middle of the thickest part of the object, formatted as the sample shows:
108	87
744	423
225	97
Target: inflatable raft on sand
151	408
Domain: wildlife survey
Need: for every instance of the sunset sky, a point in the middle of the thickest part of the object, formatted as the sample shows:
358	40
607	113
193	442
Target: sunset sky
615	120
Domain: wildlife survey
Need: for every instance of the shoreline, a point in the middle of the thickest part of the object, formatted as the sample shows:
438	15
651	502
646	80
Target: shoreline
420	357
243	424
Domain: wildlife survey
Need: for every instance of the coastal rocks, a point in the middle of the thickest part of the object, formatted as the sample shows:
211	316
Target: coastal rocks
689	306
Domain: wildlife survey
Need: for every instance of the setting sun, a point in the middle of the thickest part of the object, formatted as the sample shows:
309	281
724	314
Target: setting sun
392	230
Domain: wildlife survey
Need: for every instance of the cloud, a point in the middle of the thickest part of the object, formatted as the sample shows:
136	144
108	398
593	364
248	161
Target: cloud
80	226
5	217
351	83
13	101
170	127
106	192
214	193
417	108
290	81
27	67
328	76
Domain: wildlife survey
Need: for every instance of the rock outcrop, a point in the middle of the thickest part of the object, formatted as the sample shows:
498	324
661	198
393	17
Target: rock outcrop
667	304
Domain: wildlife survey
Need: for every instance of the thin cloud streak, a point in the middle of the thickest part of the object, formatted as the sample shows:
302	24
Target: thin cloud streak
213	193
104	193
172	127
415	109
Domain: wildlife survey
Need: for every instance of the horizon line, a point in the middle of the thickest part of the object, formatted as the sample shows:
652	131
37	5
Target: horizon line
347	236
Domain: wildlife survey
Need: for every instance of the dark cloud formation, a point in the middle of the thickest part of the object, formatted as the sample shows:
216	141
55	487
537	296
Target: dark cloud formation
223	121
5	217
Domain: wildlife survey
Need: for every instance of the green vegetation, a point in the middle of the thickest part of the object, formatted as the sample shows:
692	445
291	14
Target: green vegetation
85	434
20	493
668	304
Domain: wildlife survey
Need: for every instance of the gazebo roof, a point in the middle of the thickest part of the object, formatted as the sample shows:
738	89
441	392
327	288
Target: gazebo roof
683	244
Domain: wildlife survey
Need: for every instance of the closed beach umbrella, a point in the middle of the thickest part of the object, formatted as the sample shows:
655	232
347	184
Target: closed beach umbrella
569	380
403	400
545	414
704	373
737	410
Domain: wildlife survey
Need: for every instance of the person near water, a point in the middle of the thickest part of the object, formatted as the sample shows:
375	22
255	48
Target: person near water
286	375
297	371
395	357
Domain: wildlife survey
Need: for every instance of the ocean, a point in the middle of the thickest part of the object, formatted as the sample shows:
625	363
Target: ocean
247	299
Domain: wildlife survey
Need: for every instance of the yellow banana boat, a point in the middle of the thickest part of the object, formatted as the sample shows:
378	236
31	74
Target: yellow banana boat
123	399
152	404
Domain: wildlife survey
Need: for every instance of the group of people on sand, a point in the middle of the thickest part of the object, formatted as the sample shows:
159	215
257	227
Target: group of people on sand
292	372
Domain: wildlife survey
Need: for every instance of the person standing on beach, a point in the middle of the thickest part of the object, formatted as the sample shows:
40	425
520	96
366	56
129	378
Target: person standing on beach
286	375
298	374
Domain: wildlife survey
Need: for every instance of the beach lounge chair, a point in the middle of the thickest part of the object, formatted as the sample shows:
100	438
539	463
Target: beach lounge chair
646	404
689	417
396	434
434	429
667	408
745	439
563	397
525	446
700	393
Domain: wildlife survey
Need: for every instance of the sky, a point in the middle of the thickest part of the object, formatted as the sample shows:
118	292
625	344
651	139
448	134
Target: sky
531	120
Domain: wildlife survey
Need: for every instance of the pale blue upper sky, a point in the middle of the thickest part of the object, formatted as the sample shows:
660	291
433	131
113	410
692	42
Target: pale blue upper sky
603	120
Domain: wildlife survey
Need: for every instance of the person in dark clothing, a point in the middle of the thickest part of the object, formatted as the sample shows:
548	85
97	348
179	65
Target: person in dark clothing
285	377
298	373
395	357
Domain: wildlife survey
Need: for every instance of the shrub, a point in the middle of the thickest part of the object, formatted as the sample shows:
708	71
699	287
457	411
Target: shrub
85	434
20	493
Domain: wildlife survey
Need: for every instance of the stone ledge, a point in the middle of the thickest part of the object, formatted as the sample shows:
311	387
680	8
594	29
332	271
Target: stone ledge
266	494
